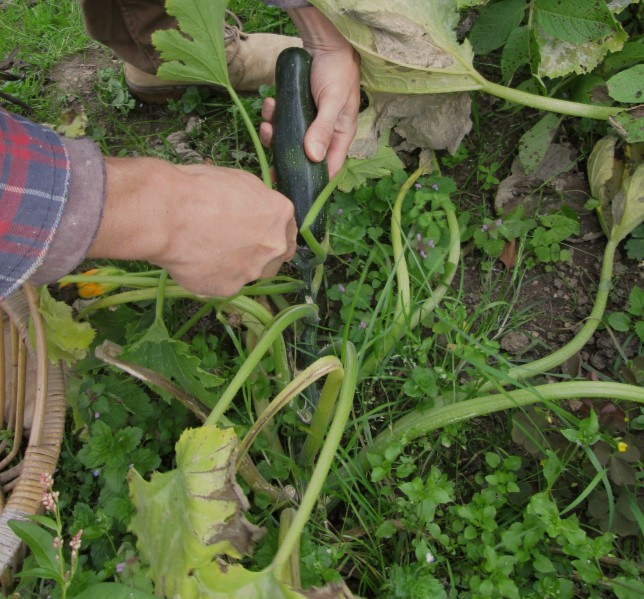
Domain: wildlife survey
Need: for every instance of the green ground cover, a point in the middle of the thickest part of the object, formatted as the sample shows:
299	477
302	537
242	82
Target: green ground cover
480	339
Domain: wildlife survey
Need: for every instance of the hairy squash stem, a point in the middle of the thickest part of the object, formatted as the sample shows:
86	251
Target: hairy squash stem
321	418
122	280
418	423
195	318
566	107
402	272
280	323
176	291
559	356
257	144
290	574
311	215
398	328
321	367
323	465
160	298
451	267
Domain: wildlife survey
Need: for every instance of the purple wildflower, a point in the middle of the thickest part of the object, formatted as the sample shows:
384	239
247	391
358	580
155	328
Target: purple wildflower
417	185
120	567
96	473
339	212
430	243
484	228
341	288
97	414
435	186
362	325
499	222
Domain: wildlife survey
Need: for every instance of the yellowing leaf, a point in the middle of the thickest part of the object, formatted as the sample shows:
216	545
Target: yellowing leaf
618	184
185	518
67	339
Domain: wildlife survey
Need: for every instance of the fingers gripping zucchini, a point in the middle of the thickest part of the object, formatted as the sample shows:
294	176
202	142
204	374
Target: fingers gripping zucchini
298	178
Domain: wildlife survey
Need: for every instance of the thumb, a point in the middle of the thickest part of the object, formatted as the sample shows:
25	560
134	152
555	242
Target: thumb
320	134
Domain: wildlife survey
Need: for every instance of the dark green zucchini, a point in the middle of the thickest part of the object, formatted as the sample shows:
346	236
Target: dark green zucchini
297	177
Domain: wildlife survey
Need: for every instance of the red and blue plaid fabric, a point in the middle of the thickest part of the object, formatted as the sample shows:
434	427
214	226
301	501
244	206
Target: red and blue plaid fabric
34	182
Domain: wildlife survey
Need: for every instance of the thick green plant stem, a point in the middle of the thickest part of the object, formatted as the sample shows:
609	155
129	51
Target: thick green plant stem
321	367
418	423
398	328
158	310
128	280
451	266
194	319
176	291
402	273
282	320
321	418
550	104
257	144
291	572
327	455
257	318
559	356
305	230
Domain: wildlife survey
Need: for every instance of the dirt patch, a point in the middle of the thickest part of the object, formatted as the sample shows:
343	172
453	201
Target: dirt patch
76	76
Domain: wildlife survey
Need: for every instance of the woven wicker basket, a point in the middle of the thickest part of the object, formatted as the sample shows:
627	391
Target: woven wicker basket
27	380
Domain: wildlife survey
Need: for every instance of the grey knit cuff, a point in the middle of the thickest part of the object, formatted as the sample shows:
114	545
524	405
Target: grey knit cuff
81	216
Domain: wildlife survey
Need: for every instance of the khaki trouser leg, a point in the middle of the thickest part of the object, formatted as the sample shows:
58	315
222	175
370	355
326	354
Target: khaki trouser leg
126	26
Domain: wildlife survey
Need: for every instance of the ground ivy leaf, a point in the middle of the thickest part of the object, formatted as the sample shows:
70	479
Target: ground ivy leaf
185	518
67	339
196	52
173	359
628	86
620	321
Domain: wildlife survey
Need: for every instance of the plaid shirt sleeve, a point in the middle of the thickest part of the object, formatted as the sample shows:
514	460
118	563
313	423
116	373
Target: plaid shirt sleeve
35	176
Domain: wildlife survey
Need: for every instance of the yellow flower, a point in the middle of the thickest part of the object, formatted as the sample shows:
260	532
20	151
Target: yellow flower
92	289
622	447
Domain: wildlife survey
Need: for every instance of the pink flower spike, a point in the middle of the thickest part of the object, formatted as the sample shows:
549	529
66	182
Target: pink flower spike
46	481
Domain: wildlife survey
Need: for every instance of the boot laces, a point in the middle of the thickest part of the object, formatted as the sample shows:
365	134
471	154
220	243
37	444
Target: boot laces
232	35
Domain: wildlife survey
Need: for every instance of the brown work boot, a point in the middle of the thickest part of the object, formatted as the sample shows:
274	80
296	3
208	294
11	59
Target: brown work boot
251	63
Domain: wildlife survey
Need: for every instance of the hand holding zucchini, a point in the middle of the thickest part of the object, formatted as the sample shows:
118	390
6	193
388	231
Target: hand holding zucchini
298	178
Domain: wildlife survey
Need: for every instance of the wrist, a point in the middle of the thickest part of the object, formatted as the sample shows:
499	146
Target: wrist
136	213
316	30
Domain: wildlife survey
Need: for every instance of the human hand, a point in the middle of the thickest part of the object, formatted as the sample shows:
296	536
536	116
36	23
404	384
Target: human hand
335	85
214	229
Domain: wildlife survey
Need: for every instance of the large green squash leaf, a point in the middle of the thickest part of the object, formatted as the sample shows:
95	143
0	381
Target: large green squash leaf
574	36
197	52
410	59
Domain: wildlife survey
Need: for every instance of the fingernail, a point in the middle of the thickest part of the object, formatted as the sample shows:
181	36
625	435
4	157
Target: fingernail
318	151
